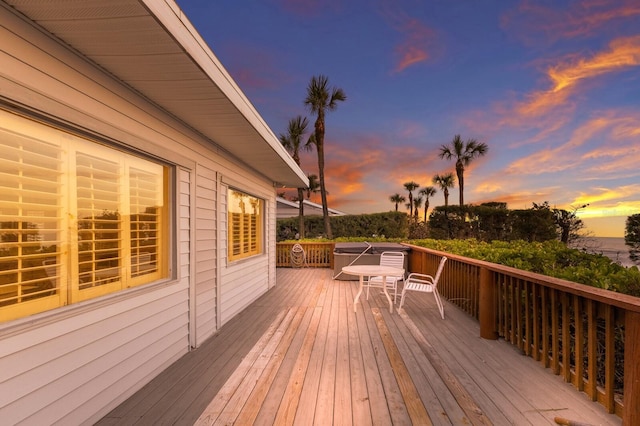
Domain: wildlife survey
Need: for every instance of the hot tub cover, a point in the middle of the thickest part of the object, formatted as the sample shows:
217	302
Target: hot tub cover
376	248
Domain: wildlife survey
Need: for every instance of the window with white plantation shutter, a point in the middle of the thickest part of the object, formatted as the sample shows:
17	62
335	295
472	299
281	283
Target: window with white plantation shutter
78	219
244	213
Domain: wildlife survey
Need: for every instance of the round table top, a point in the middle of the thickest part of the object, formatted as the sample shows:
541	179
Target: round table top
372	270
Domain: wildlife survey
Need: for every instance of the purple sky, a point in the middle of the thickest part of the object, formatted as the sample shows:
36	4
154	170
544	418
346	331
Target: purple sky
552	87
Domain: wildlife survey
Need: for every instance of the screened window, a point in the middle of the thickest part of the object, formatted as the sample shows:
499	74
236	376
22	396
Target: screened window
245	224
77	219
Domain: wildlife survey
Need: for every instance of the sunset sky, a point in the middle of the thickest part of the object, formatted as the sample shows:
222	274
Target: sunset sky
552	87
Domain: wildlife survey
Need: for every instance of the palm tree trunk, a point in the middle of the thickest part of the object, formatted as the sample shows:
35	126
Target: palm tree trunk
410	204
301	212
460	173
323	193
319	127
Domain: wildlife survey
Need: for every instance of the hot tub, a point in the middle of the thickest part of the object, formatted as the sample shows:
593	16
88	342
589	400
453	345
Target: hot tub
351	254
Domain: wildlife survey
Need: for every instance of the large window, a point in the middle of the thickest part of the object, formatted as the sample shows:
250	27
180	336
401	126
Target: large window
245	224
77	219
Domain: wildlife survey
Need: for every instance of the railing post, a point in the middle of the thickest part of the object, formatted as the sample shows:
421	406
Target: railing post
631	414
487	314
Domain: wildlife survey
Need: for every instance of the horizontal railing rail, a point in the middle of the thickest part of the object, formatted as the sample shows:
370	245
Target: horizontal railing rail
577	331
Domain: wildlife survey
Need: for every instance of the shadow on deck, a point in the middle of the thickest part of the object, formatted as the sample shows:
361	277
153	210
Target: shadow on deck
300	354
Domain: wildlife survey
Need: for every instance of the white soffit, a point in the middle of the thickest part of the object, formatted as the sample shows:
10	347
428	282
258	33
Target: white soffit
152	47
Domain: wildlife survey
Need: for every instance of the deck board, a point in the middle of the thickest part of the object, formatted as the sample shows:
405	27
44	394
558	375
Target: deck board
300	355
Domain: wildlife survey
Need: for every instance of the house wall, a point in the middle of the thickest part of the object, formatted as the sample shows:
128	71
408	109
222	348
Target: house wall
76	363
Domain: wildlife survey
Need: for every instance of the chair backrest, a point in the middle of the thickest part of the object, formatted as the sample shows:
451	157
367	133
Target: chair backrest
392	258
439	271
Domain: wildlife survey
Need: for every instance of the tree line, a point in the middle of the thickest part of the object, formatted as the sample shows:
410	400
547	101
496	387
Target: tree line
463	152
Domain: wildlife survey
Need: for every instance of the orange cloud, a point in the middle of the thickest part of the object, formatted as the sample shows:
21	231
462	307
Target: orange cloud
622	53
417	38
613	135
413	49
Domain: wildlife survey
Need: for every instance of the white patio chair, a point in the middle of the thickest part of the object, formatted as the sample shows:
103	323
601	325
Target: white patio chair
424	283
388	258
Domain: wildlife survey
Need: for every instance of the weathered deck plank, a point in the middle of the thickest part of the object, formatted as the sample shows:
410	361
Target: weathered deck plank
300	355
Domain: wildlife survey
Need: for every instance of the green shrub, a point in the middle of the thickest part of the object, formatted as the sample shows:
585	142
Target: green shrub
551	258
366	226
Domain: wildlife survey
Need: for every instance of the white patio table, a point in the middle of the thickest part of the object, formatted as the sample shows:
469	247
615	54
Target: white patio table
371	271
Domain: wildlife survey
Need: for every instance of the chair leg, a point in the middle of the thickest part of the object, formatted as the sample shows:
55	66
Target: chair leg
402	299
439	302
368	287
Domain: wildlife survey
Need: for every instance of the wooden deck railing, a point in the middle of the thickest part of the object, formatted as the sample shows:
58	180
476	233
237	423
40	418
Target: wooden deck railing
318	255
588	336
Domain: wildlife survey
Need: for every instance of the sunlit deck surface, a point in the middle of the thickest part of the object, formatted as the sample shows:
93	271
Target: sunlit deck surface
300	355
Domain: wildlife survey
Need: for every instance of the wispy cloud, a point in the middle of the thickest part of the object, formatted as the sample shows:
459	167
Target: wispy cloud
417	39
614	135
534	23
413	49
564	77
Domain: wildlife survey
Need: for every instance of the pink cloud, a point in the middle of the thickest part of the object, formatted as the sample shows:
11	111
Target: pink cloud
417	39
534	23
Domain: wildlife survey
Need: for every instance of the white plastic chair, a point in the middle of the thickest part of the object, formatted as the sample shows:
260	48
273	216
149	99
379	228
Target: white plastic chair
424	283
388	258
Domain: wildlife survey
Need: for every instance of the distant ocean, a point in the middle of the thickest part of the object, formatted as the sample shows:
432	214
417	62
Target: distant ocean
613	248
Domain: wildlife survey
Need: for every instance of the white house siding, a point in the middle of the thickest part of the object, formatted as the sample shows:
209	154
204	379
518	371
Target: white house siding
243	281
205	239
76	363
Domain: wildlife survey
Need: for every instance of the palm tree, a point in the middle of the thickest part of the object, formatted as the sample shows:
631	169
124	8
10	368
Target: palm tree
411	186
417	203
445	182
320	98
292	142
397	199
314	185
428	192
463	152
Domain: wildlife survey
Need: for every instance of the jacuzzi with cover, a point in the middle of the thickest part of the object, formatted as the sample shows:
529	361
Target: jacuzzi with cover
347	254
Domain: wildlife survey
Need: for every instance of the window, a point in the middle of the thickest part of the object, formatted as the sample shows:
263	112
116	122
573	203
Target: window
78	219
245	224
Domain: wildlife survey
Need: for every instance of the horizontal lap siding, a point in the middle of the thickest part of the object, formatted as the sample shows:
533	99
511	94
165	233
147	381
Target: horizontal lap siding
82	366
74	364
205	279
245	280
77	363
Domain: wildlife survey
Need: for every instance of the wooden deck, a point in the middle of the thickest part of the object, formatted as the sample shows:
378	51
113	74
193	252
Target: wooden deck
300	355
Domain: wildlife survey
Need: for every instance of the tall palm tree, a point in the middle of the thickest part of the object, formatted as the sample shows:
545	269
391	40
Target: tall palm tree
397	199
411	186
464	153
417	203
292	142
427	192
445	182
320	98
314	185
